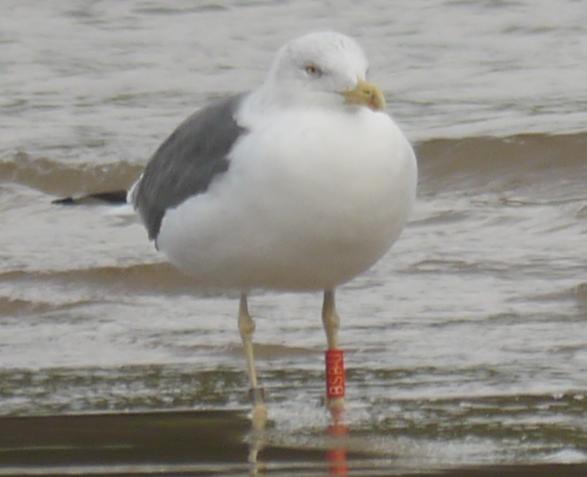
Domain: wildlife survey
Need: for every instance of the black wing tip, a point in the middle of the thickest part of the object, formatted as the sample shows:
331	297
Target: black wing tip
109	197
64	201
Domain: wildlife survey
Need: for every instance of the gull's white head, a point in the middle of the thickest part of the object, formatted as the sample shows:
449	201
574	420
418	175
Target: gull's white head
324	68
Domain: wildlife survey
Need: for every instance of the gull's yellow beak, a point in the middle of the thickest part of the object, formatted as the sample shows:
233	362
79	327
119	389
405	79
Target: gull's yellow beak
366	94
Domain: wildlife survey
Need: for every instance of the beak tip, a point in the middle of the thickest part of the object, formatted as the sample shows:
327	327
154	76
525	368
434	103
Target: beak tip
366	94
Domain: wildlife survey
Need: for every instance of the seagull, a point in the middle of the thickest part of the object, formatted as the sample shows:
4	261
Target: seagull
300	184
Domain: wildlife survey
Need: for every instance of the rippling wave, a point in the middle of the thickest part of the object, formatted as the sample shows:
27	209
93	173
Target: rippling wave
61	178
443	163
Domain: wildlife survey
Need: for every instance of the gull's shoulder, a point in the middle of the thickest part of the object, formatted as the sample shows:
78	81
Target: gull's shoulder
187	161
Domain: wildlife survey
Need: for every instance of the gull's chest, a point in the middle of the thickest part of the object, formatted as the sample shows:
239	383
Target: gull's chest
327	165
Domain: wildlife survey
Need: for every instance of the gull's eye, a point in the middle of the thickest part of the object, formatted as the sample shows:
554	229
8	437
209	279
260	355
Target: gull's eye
312	70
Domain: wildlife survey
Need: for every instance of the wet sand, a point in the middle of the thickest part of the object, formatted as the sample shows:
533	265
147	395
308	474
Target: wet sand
191	443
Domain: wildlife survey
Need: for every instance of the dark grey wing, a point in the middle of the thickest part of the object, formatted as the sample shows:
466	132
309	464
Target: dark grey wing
187	162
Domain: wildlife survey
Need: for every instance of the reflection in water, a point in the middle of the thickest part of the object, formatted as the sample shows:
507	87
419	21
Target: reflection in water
337	433
258	437
336	455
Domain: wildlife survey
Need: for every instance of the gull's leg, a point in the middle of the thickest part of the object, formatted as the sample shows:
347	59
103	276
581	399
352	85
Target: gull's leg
335	376
246	327
330	319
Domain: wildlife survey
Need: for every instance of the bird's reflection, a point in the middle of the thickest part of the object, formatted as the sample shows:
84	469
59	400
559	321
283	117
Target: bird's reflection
257	437
337	433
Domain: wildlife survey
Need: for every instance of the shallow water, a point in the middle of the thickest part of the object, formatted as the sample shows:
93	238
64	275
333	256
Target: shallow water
465	345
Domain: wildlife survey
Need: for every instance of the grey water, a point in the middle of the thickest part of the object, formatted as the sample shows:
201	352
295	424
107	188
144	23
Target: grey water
465	345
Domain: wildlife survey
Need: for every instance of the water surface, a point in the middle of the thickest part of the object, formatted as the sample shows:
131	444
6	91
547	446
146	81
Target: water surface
466	344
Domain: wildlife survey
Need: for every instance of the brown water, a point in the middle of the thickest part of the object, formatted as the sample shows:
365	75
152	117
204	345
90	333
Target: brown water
466	344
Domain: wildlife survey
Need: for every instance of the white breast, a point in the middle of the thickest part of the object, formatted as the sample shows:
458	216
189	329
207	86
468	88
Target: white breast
311	199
